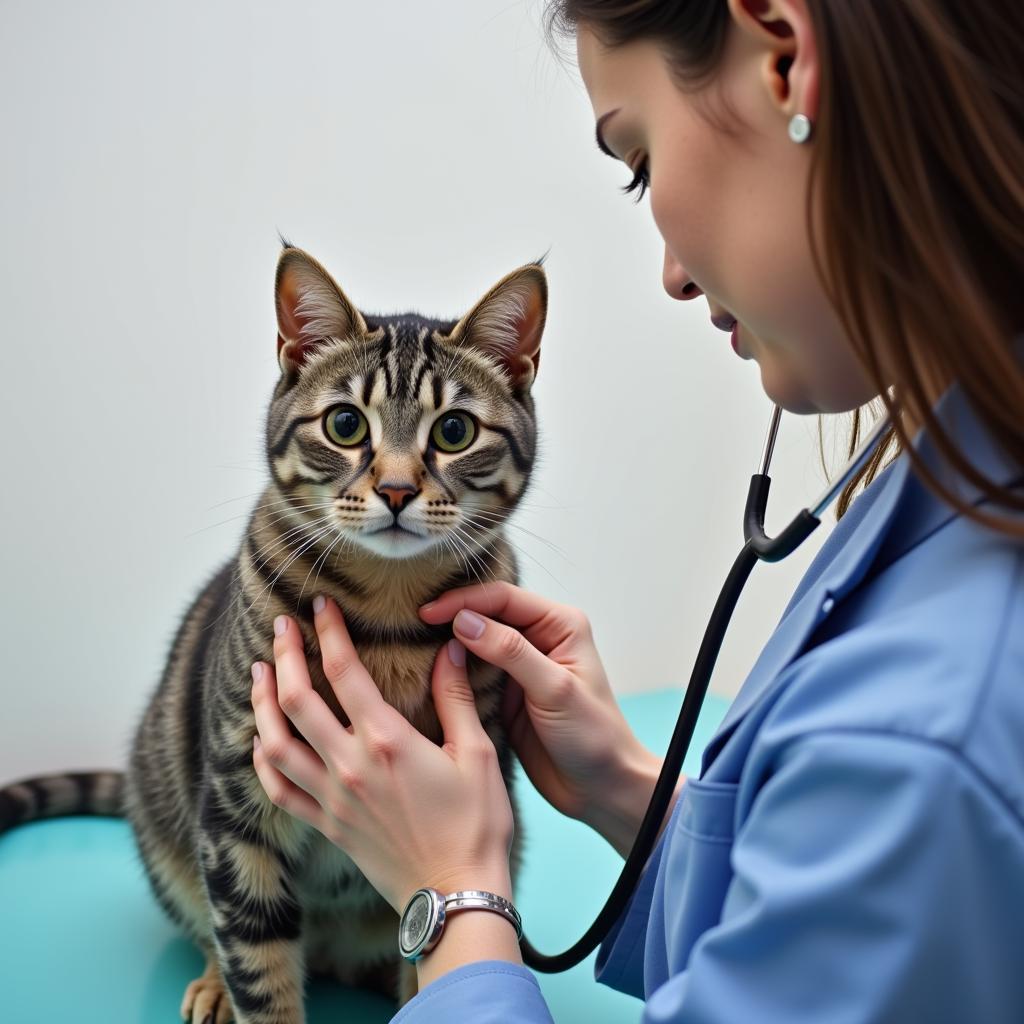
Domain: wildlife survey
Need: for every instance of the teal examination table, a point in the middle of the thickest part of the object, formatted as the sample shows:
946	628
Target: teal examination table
82	939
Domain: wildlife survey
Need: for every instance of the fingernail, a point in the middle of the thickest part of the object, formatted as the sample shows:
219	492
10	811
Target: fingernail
280	625
256	743
457	653
319	604
257	671
426	607
469	624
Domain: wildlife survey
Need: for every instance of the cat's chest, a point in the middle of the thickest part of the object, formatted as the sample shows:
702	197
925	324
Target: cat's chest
401	673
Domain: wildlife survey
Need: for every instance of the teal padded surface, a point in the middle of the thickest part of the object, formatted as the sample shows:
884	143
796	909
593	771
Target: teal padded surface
83	940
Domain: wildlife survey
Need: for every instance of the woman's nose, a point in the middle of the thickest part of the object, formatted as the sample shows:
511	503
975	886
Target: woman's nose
677	282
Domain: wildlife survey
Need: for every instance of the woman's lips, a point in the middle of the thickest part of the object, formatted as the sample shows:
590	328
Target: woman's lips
727	322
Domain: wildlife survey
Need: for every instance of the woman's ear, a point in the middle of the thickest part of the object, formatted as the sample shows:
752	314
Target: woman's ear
790	62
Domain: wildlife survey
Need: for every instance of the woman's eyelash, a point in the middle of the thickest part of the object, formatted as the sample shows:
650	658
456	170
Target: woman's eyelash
641	180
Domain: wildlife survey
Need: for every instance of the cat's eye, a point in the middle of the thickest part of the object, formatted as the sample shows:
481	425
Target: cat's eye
453	432
346	425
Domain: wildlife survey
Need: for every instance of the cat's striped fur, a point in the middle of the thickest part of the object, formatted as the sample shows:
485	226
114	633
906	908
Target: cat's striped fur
266	897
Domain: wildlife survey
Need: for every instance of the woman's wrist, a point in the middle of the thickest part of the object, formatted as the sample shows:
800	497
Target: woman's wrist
619	810
472	935
469	936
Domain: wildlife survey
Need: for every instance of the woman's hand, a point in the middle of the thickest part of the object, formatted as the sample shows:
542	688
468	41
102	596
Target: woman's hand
408	812
561	715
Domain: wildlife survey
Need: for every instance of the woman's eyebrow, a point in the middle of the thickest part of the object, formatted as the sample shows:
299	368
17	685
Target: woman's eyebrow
597	133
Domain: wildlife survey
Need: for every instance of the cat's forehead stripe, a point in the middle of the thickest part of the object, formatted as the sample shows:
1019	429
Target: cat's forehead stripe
423	363
385	351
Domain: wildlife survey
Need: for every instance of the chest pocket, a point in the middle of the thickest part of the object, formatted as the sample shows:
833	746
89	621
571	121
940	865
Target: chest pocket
698	866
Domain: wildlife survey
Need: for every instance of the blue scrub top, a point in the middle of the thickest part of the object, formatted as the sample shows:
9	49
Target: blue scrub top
853	850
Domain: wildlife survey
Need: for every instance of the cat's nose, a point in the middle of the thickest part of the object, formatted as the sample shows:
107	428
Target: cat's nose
397	496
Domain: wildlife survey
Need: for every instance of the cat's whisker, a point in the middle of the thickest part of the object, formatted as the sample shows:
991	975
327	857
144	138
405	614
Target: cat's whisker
516	526
223	522
470	566
529	555
348	544
277	543
241	497
276	517
444	547
251	512
478	515
474	512
535	486
449	546
477	558
284	568
231	519
324	522
286	503
338	535
284	539
457	545
468	529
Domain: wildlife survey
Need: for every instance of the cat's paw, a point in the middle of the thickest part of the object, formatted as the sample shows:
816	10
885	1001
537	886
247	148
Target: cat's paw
206	999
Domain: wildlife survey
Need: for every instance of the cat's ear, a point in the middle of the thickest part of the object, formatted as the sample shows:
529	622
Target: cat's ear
508	322
311	308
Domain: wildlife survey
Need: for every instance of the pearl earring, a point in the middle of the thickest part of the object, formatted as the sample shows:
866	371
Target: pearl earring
800	128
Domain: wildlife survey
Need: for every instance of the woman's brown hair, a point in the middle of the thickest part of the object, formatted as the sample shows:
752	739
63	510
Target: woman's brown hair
917	158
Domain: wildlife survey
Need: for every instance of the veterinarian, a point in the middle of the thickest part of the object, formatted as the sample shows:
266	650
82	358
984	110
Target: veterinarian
842	181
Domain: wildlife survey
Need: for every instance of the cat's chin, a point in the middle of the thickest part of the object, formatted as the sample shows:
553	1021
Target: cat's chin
395	543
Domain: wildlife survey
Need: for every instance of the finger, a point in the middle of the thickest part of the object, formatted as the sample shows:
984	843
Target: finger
453	696
544	623
296	696
542	679
280	749
352	684
283	793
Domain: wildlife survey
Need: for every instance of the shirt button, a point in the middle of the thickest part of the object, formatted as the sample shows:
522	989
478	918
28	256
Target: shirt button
827	605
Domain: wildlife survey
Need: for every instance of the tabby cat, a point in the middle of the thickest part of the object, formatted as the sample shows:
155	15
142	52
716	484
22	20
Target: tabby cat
397	447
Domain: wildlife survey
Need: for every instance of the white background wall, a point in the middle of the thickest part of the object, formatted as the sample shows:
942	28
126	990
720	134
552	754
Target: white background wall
420	151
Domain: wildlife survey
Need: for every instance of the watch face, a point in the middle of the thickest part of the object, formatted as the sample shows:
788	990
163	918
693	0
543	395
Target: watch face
416	921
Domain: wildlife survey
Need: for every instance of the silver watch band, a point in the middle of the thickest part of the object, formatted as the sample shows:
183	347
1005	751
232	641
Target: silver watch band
425	915
480	899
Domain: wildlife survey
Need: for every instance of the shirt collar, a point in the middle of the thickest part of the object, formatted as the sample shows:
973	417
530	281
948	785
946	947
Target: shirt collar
893	514
921	512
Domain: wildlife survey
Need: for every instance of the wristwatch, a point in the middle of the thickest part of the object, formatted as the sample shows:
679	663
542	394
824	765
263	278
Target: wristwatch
425	914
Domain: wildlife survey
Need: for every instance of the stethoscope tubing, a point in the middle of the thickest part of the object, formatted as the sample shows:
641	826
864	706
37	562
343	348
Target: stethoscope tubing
758	546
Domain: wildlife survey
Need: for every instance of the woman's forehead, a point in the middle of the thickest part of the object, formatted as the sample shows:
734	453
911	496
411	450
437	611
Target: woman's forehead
612	74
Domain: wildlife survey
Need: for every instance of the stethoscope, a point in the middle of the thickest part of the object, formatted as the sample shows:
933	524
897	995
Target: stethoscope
758	546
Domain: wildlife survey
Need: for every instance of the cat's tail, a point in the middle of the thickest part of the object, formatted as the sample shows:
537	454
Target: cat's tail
60	796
